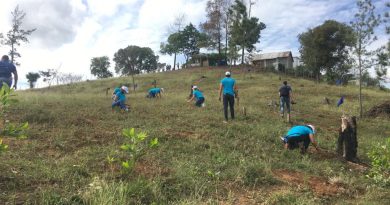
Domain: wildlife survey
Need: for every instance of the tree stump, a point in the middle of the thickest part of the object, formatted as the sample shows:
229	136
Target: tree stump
347	142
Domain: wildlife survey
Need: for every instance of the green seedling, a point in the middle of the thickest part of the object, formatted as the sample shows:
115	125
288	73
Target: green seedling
9	129
135	147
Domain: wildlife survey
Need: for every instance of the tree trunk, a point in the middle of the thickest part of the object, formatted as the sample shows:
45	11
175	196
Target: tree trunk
219	43
360	87
347	142
132	76
226	41
174	62
243	53
12	53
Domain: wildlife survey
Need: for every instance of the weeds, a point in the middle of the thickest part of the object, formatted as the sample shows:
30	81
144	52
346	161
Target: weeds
380	163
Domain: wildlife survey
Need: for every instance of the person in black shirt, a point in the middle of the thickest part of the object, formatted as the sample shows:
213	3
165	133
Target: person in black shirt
285	93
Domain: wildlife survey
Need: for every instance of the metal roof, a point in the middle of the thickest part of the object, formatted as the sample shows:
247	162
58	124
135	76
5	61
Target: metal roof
266	56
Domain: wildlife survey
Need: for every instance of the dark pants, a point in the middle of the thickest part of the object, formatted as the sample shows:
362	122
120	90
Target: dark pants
199	102
120	104
228	100
8	81
295	141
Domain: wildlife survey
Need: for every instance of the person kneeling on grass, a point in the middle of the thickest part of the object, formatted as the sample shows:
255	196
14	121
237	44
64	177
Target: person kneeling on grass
120	99
198	95
300	137
116	90
155	92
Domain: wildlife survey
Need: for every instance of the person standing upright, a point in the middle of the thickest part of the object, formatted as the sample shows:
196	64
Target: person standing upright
228	88
285	94
7	68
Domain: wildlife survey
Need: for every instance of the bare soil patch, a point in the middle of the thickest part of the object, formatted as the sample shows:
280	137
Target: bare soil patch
382	109
319	185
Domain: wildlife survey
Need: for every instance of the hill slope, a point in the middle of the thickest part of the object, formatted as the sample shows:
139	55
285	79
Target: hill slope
200	160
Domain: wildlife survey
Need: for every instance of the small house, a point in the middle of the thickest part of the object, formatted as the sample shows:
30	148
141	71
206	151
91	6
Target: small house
267	60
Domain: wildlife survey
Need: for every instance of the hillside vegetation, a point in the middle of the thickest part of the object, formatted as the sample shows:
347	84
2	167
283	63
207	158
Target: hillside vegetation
199	160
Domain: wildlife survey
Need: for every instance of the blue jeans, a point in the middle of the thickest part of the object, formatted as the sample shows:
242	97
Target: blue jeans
283	101
120	104
199	102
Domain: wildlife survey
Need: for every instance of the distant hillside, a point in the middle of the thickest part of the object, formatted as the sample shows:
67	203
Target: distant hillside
199	160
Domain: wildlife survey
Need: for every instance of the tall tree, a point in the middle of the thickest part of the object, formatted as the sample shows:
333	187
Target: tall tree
364	23
325	48
32	78
16	35
99	67
214	25
133	60
245	31
170	47
192	41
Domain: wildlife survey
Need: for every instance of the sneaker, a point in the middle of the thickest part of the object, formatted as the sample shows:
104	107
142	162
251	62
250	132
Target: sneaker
225	122
281	115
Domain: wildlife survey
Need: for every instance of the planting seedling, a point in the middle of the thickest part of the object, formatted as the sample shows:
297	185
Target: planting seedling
135	147
9	129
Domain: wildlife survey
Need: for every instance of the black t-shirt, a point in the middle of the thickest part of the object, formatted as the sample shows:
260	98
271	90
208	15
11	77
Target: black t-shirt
285	91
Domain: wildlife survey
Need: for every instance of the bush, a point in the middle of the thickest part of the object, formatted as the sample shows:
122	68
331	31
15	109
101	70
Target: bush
380	162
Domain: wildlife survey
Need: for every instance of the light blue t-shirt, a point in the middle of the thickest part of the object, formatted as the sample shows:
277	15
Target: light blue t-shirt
198	94
299	130
154	90
116	90
121	97
228	85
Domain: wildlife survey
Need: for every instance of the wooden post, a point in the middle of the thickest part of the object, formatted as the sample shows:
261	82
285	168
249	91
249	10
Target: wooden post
347	142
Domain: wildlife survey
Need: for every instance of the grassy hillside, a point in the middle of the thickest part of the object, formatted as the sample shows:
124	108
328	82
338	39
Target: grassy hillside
200	160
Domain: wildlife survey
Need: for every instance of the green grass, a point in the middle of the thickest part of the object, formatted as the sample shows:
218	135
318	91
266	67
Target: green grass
200	160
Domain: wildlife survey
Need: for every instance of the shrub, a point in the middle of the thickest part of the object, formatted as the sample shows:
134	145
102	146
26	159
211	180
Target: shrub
135	147
8	128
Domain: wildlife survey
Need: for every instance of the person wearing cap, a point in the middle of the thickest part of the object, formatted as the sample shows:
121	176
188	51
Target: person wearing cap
155	92
116	90
120	99
285	94
198	95
227	91
300	137
7	68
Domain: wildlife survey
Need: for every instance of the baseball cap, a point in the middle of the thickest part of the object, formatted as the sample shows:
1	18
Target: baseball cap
227	73
126	89
312	127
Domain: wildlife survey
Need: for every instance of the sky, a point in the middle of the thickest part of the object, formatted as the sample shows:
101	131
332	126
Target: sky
71	32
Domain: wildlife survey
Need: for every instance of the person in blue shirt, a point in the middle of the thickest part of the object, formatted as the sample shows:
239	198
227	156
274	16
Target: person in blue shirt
120	99
116	90
155	92
229	89
300	137
7	68
198	95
